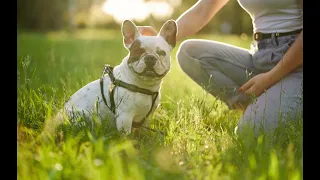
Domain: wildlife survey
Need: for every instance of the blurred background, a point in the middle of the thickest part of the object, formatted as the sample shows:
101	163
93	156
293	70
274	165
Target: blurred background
72	15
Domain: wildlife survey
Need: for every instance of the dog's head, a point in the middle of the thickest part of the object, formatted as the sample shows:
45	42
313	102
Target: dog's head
149	56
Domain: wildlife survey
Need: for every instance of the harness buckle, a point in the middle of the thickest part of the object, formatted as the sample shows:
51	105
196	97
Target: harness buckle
111	86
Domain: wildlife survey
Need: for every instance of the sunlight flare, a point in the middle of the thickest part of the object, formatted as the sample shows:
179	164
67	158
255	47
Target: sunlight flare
137	10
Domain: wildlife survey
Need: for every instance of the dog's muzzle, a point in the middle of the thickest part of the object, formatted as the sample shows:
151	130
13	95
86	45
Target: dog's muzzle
150	60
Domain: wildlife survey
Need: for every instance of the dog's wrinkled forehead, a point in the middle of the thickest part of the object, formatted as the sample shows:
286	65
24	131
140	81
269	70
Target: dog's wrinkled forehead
150	44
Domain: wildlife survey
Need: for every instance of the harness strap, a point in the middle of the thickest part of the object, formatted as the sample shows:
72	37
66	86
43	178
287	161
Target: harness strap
133	88
111	95
101	89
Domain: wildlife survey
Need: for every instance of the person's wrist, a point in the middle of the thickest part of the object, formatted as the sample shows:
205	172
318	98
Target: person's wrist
271	77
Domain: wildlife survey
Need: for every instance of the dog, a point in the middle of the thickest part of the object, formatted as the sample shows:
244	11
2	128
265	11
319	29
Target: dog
130	92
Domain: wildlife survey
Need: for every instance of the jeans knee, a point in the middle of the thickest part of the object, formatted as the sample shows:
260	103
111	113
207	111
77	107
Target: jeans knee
258	121
183	55
182	50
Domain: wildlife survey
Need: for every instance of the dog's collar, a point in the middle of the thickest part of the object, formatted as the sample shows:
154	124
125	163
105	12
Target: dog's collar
116	82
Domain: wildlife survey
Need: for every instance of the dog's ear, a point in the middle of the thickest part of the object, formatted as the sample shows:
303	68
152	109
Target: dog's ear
130	32
169	32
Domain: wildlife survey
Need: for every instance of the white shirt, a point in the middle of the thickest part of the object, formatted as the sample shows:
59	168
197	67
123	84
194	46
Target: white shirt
270	16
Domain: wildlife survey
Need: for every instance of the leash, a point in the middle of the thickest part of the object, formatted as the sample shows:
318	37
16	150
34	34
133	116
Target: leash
133	88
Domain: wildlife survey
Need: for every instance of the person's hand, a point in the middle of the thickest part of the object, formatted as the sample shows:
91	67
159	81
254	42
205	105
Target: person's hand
147	31
257	85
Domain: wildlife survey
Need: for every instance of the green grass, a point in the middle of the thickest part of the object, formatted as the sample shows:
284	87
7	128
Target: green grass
198	140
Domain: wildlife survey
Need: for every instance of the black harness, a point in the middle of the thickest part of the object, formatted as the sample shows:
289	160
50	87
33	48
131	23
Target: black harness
133	88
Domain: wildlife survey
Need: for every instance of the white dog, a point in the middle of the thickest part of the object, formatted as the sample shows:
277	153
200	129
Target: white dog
128	92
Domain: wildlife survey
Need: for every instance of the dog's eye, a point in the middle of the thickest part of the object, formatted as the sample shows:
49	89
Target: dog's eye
161	53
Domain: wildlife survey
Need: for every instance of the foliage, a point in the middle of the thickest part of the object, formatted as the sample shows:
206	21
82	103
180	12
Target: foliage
36	15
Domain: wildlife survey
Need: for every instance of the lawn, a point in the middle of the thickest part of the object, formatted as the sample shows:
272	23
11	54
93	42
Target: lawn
195	137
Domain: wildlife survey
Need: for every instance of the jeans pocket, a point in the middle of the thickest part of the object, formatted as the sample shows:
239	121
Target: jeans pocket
282	48
266	58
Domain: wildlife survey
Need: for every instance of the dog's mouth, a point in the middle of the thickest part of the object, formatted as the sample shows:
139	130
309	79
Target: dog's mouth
149	72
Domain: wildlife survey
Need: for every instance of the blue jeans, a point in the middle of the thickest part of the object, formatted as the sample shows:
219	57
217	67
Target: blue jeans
222	68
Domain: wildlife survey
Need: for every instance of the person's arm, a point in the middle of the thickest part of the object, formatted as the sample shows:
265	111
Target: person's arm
292	59
192	20
196	17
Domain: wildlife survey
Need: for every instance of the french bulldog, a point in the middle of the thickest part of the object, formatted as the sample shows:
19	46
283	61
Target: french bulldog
145	66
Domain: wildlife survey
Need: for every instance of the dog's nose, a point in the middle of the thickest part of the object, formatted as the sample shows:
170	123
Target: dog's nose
150	60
